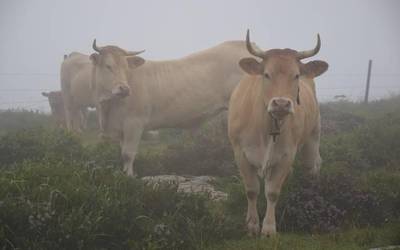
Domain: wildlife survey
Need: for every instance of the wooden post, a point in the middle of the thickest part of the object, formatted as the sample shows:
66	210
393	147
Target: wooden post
368	81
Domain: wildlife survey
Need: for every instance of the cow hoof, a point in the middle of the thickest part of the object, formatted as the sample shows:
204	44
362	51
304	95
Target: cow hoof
268	231
131	174
253	229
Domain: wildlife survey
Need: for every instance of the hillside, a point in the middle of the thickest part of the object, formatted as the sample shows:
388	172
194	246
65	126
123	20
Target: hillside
63	191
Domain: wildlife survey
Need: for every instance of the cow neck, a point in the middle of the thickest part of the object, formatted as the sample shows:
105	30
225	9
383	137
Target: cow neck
275	128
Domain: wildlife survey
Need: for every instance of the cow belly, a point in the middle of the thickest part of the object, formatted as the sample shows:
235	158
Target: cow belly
184	119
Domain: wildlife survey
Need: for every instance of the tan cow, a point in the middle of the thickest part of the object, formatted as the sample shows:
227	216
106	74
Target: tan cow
76	73
57	107
135	95
273	113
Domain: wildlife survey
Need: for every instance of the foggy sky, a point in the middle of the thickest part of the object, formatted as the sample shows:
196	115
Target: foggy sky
36	34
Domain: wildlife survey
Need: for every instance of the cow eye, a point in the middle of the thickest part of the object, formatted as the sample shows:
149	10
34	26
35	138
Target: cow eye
109	67
267	75
296	77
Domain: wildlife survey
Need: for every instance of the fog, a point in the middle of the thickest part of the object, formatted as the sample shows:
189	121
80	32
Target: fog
36	34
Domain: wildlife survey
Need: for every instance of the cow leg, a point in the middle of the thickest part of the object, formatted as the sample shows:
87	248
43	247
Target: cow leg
252	187
84	118
273	185
310	152
76	120
132	133
68	118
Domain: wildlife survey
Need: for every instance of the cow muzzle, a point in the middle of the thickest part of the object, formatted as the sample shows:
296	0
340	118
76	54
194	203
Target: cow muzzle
280	107
121	90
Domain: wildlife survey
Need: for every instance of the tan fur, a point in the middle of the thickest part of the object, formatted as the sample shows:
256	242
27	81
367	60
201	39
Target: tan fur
249	125
76	72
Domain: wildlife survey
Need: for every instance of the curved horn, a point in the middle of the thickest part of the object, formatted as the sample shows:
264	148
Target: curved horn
310	53
134	53
98	49
254	51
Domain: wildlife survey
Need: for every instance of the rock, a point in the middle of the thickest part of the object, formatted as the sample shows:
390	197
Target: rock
163	179
386	248
194	185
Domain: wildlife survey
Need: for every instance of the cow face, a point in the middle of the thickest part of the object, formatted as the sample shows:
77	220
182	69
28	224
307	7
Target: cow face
55	102
281	70
111	71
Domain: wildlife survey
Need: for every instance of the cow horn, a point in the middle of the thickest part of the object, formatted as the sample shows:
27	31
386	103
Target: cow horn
134	53
98	49
310	53
254	51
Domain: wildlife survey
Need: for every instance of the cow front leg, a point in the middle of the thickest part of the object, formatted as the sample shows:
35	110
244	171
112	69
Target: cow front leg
252	188
68	117
132	134
273	185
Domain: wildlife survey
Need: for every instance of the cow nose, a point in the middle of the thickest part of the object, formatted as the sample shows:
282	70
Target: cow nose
280	107
281	103
121	90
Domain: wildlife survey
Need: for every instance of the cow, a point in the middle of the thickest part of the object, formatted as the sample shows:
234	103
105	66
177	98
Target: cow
135	95
76	73
273	113
57	107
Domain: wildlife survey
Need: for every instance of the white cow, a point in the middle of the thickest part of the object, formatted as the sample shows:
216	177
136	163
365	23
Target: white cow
135	95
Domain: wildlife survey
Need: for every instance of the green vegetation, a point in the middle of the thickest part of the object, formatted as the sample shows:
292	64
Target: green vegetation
354	239
63	191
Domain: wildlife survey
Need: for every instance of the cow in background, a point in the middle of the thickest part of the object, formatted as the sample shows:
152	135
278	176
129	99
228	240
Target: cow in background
76	73
57	107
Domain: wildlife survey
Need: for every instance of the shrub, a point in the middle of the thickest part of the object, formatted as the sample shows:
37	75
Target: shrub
40	145
374	145
45	206
333	202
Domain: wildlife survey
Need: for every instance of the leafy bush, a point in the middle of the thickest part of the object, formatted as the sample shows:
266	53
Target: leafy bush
73	207
327	204
376	144
40	145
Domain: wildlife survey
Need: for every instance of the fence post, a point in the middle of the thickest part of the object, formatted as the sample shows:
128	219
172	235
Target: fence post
368	81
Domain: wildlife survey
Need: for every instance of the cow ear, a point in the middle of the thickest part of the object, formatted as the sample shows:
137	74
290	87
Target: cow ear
135	61
94	58
314	68
45	94
251	66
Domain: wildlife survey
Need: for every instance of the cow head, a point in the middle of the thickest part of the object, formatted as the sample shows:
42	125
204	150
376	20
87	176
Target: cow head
55	101
281	70
111	69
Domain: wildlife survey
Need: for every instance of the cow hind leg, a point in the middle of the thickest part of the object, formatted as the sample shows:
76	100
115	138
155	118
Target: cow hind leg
252	188
310	154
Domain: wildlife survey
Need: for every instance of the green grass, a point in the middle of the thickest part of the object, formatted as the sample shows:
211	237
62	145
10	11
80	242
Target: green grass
350	240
